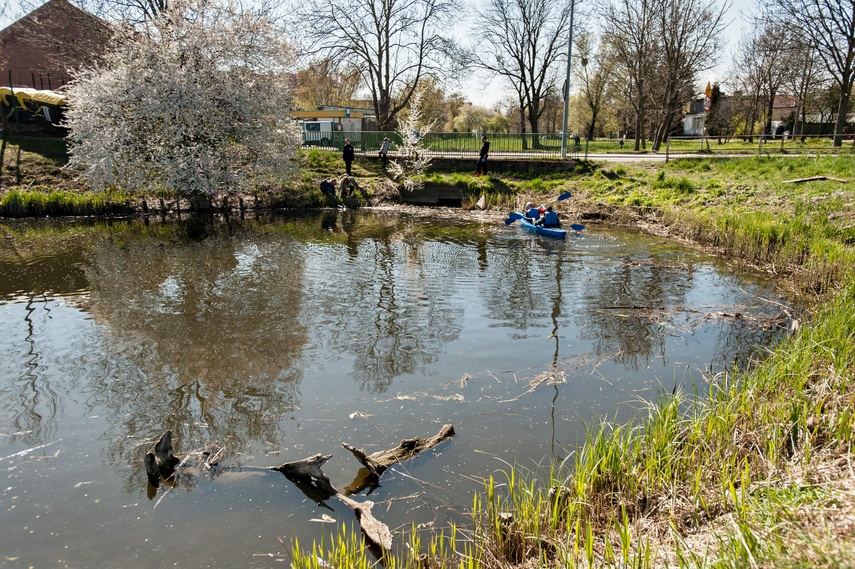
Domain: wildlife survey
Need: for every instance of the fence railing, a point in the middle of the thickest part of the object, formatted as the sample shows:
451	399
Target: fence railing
548	146
453	144
763	144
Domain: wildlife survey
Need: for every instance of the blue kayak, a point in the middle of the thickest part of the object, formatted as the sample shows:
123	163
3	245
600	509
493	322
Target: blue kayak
556	232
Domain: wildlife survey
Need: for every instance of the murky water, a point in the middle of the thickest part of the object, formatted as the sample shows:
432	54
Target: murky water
282	339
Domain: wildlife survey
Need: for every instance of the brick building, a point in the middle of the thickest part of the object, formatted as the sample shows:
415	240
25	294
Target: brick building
38	50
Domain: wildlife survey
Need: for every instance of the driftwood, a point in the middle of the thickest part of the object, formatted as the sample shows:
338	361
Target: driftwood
161	464
813	179
378	462
309	471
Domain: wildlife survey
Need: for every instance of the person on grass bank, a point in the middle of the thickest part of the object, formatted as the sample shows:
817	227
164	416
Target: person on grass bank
384	151
482	157
347	155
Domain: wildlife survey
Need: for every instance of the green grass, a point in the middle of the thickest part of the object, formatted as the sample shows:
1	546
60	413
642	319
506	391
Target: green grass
17	203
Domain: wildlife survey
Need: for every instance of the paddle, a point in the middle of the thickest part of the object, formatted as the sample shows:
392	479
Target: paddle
560	198
512	217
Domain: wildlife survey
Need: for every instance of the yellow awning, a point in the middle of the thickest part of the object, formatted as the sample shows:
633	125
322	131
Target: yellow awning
23	94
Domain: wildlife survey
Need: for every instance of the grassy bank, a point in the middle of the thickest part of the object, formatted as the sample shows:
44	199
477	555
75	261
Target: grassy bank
34	182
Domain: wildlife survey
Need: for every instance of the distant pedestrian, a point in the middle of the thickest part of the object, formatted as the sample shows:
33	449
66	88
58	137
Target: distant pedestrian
482	157
347	154
384	151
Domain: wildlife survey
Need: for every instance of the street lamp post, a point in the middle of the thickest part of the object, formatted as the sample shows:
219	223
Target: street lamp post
567	85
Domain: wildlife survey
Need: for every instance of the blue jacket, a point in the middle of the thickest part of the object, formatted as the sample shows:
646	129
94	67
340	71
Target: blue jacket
533	213
550	219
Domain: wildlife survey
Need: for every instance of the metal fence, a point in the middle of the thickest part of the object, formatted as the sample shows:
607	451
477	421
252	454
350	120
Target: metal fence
456	144
548	146
760	145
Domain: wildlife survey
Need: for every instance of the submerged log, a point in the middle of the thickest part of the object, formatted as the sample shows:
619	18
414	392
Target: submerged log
160	463
309	471
375	531
378	462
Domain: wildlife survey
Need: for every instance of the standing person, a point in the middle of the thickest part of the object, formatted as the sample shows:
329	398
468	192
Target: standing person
347	154
482	157
384	150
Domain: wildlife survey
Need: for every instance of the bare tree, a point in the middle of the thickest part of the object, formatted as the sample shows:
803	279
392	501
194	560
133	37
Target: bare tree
829	25
688	35
594	73
522	41
629	26
806	79
763	61
394	44
661	46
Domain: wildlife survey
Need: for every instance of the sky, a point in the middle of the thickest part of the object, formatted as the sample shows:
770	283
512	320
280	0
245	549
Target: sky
478	89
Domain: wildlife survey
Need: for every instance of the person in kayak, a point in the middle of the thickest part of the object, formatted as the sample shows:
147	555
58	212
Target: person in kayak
532	213
549	219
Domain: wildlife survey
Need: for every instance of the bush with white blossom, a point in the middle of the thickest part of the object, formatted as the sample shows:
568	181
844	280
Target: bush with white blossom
412	161
196	102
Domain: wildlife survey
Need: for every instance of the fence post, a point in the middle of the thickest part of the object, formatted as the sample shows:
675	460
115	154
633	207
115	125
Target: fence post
587	142
760	146
667	149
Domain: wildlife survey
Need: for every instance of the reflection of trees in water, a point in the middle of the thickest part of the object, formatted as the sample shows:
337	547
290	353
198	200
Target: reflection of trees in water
393	308
511	299
207	333
29	403
631	284
738	342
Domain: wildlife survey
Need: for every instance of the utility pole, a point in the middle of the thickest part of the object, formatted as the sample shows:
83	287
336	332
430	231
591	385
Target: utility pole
567	85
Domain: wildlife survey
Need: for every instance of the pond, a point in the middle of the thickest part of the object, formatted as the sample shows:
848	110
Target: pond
282	338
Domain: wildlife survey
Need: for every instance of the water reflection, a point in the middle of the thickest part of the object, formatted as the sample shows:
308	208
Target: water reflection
268	335
208	328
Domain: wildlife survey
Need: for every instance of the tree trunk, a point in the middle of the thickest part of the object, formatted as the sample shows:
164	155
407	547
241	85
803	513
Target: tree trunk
842	111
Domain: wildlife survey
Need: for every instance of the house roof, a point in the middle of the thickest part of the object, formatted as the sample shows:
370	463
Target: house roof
47	10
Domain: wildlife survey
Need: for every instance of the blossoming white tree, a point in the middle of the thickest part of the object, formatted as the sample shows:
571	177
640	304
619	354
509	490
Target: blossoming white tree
412	161
196	102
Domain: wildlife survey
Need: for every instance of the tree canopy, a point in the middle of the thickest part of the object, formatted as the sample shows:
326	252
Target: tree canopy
193	103
395	44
